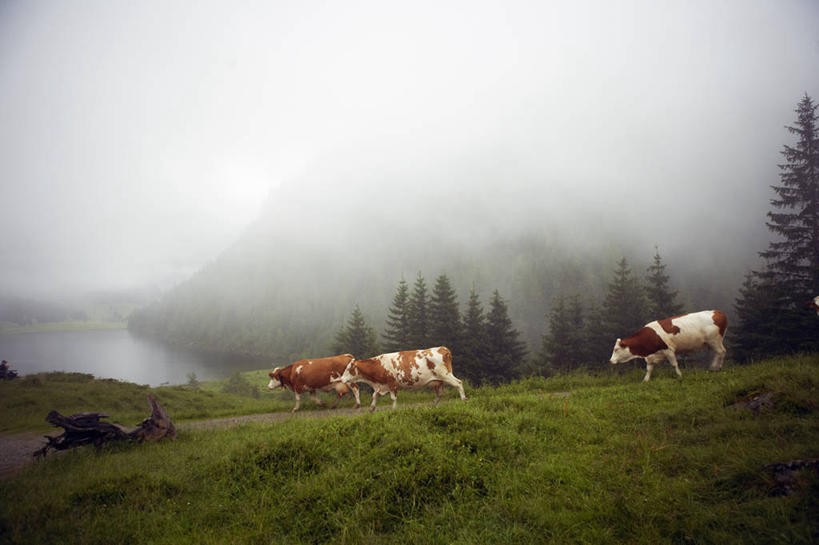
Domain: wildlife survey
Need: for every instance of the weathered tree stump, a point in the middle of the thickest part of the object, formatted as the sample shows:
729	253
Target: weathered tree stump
86	428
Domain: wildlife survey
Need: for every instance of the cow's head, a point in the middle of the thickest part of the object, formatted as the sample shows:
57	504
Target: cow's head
275	380
621	353
350	373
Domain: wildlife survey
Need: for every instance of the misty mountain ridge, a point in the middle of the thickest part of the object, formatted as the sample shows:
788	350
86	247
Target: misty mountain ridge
318	249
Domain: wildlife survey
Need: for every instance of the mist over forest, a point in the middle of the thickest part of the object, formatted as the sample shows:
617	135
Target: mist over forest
240	178
338	239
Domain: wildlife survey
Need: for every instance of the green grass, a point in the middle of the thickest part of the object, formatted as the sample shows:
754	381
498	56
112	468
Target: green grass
618	461
8	328
25	402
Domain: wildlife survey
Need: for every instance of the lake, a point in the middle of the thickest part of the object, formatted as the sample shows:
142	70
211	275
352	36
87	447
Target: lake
117	354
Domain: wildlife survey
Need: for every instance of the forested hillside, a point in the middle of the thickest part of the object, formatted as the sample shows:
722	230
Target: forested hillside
289	283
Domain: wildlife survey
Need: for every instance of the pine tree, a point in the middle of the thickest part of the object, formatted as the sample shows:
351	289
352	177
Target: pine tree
661	300
624	306
444	316
418	319
762	320
794	259
505	352
473	341
357	338
598	341
771	311
397	332
563	347
555	351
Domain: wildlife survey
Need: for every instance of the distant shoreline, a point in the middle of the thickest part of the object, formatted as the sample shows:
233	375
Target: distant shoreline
14	329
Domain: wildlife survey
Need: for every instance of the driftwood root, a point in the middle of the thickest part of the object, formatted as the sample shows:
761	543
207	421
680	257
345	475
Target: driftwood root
87	428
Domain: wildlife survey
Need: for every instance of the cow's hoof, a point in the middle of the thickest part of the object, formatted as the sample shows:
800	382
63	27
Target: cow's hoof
357	405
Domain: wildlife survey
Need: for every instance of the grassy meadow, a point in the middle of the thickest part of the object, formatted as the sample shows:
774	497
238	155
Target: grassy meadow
617	461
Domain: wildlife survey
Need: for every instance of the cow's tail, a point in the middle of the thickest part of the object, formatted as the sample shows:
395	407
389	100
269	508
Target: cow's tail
447	358
721	321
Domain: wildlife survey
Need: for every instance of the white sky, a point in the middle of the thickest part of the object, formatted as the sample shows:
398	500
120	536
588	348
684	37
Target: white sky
138	139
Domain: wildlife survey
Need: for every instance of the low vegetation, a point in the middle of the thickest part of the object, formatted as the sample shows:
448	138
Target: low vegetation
617	461
25	402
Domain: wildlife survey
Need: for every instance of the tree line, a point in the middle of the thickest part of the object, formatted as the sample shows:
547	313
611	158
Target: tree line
486	345
773	317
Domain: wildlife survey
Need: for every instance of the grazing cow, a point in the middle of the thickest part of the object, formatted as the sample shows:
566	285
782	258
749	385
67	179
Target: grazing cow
407	370
310	375
814	304
663	339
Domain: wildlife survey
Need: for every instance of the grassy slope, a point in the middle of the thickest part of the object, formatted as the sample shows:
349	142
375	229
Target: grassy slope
25	402
617	462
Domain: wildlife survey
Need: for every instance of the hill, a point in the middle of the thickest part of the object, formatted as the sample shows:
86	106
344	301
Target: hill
617	461
291	280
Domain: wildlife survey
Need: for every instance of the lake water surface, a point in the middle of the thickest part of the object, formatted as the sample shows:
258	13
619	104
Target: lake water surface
117	354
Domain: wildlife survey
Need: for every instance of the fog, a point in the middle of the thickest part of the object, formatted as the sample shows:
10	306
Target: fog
138	141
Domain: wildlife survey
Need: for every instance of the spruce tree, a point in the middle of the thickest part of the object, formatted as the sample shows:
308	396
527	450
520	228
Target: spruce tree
661	300
397	332
563	347
473	349
444	316
555	352
418	318
624	307
771	307
357	338
505	352
762	324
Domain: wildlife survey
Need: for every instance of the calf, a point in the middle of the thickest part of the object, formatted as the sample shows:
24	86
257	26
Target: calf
310	375
407	370
663	339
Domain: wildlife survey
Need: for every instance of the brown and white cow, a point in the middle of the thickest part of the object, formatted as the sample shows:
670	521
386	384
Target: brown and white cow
406	370
663	339
311	375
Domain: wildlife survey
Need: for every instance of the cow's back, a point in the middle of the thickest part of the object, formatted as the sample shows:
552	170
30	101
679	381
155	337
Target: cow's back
317	373
689	332
408	369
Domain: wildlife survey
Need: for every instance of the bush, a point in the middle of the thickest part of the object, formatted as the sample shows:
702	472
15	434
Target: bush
238	385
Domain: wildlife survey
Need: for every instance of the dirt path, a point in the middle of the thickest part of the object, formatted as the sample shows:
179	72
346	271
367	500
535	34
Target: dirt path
16	451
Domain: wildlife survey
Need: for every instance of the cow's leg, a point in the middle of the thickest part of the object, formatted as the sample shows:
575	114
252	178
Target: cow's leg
298	402
649	369
375	396
394	399
315	398
672	359
339	395
719	354
354	388
455	383
438	389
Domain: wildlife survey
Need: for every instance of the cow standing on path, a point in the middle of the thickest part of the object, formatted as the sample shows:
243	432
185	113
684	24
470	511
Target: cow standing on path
663	339
311	375
407	370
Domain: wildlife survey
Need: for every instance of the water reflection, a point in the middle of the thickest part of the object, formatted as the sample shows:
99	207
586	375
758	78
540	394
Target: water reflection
118	354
